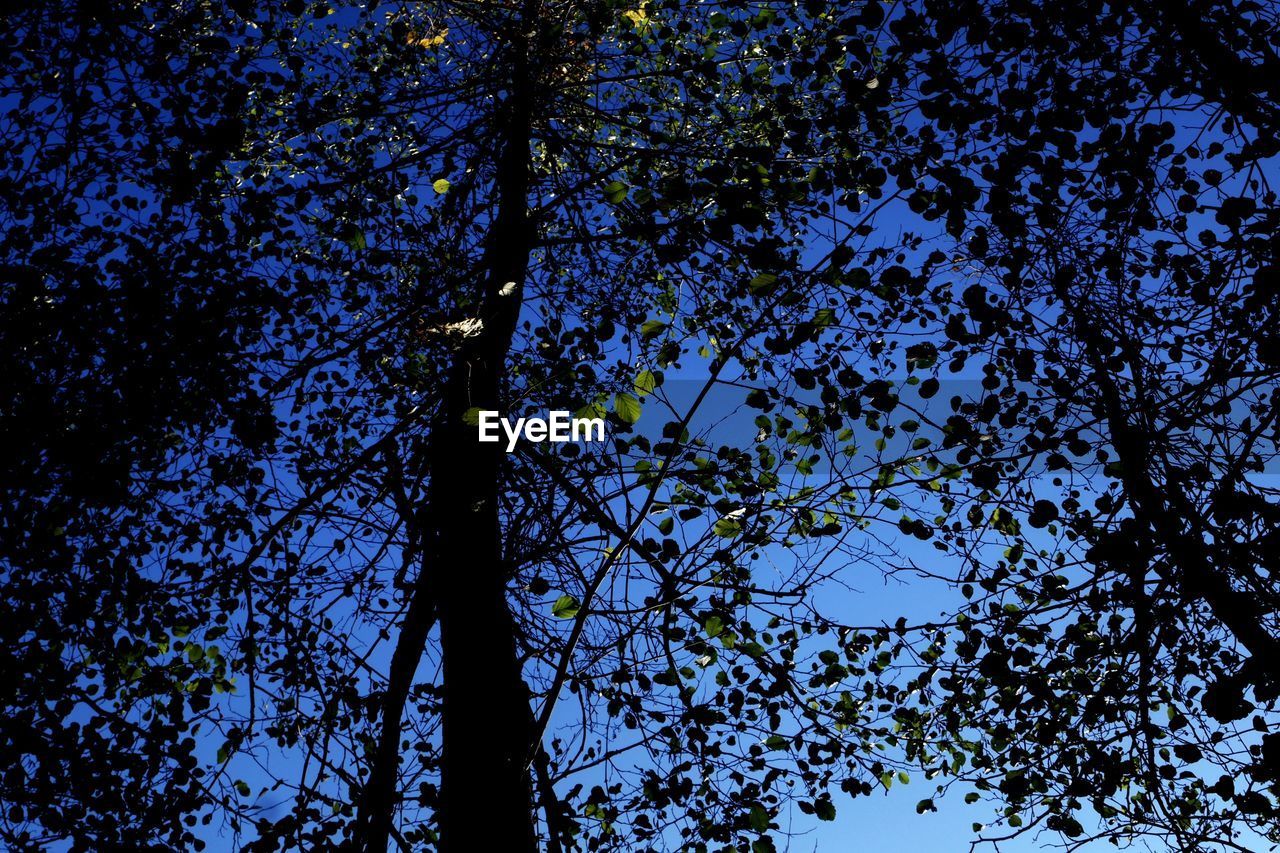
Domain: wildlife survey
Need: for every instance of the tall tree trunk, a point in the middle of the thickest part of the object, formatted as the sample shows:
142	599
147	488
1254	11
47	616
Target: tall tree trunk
485	782
485	789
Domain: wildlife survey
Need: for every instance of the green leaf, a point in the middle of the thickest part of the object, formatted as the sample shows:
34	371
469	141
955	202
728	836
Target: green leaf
666	526
627	407
714	626
1003	521
591	410
762	283
615	192
825	809
645	382
566	607
651	329
727	527
777	742
356	240
759	818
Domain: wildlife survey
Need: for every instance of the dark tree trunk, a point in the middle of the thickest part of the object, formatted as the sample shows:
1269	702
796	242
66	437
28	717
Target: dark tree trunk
485	789
485	781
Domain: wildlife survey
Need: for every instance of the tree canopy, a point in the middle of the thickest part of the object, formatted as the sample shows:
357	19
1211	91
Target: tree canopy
973	302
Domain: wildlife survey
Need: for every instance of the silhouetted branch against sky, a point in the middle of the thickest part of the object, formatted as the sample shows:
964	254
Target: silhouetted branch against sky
615	425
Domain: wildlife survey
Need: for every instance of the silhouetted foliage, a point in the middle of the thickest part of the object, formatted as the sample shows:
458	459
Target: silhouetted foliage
973	297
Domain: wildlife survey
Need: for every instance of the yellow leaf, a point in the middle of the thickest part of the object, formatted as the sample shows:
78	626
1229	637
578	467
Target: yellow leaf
637	17
433	41
441	186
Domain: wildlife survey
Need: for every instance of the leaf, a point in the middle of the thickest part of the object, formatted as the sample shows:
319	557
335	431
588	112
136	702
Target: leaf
826	810
356	240
651	329
922	356
1043	513
1003	521
615	192
777	742
727	528
441	186
1068	826
759	818
645	382
591	410
714	626
566	607
762	283
638	17
627	407
429	41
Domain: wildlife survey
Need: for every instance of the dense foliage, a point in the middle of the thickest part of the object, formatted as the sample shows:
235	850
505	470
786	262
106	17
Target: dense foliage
976	299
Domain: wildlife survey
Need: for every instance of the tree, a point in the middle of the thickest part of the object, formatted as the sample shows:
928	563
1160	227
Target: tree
124	335
460	204
757	238
648	145
1121	270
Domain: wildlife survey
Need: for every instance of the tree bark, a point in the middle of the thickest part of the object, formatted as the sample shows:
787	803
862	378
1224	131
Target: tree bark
485	786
